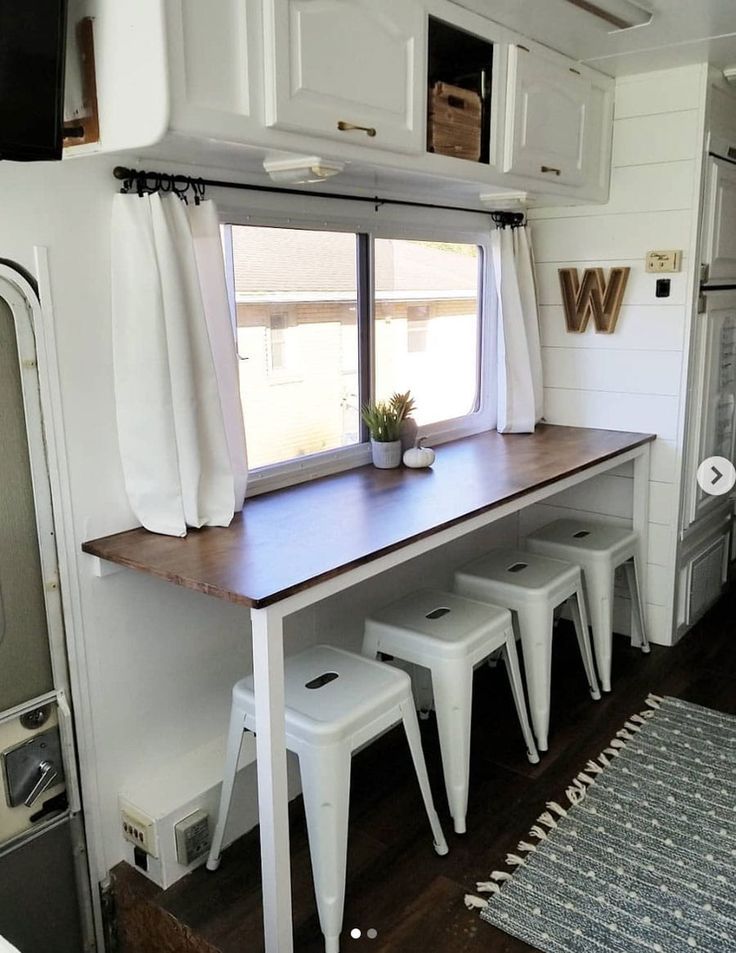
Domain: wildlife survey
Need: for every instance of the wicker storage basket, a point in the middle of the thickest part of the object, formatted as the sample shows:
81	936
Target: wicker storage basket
454	122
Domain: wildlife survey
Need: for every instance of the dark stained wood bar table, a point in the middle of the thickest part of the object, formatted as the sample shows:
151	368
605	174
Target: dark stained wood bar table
294	547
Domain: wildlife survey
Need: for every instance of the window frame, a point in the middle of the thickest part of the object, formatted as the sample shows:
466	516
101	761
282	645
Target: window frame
386	222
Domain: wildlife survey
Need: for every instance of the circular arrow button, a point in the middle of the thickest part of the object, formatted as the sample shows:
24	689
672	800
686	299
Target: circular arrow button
716	476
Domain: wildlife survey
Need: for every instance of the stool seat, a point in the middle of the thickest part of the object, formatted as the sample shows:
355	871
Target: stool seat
331	694
592	538
599	549
443	623
335	702
519	576
532	586
449	635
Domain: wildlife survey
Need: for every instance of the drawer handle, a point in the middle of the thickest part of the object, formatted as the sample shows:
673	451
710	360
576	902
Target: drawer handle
549	168
351	127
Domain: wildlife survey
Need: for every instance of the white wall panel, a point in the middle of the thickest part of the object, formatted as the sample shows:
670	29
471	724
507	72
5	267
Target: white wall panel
599	369
663	91
662	139
604	238
665	462
640	413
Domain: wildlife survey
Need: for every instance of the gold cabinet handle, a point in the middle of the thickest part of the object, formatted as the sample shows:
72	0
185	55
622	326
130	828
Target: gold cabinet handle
351	127
549	168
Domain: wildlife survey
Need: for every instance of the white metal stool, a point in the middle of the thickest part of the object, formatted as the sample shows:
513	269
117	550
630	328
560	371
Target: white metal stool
449	635
532	587
336	701
599	549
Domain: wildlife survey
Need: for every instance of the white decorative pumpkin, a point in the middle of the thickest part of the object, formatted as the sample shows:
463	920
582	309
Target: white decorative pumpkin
419	456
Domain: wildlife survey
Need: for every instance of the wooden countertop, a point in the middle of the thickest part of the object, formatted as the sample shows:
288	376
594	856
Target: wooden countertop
293	538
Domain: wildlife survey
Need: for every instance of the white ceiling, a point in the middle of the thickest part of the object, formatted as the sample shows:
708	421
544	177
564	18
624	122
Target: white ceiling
681	32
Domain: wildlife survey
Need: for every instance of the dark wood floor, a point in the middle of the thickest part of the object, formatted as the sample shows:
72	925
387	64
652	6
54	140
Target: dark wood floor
396	883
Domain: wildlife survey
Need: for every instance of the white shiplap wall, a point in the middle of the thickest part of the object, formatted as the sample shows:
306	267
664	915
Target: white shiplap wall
634	378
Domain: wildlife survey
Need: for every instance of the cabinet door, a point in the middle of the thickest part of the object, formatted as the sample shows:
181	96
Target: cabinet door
547	111
214	67
719	239
347	69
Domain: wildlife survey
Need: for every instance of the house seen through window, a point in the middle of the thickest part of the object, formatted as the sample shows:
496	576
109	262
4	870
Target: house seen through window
300	321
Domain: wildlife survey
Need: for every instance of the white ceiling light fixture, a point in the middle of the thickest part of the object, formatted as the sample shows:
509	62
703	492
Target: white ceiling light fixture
620	14
302	170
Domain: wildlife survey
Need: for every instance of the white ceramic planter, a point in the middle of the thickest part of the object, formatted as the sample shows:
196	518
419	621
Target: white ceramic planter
386	455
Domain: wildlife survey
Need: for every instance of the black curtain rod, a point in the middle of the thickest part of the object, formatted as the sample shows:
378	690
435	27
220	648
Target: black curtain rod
179	184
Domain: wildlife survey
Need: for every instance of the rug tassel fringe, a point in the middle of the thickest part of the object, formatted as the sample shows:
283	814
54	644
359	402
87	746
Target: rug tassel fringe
475	903
539	832
526	847
501	875
554	806
654	701
487	886
592	768
547	819
513	860
575	796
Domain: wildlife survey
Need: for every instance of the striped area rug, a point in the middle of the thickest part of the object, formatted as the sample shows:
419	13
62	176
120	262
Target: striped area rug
643	858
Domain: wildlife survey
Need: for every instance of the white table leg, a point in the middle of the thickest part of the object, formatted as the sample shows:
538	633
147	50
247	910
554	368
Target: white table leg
641	522
273	796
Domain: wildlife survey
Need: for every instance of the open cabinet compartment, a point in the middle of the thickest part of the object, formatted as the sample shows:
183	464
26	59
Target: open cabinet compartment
463	64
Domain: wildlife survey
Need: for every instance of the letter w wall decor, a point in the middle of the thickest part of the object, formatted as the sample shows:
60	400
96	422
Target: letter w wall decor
592	297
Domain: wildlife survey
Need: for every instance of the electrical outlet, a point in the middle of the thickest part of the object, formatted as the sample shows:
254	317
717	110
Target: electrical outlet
664	260
192	837
139	830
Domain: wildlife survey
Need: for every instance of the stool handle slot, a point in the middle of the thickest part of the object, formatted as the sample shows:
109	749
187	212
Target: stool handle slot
438	612
321	680
518	567
582	534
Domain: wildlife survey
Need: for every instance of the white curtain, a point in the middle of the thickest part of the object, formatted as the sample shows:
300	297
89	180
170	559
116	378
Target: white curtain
520	393
179	416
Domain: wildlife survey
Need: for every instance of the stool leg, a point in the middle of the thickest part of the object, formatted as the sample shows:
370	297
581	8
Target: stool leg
580	620
452	687
601	617
411	727
535	627
631	568
517	690
325	773
234	742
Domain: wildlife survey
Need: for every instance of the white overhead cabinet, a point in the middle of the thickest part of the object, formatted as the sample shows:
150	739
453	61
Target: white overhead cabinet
349	70
549	121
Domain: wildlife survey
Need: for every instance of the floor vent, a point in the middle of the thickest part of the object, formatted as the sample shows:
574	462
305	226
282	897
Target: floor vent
706	578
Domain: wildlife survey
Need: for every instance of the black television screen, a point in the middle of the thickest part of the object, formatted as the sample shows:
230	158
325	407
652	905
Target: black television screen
32	50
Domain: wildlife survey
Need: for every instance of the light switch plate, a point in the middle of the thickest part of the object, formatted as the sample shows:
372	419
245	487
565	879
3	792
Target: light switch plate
664	261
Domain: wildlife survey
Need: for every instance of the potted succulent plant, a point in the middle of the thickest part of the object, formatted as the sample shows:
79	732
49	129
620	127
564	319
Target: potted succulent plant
384	425
405	405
